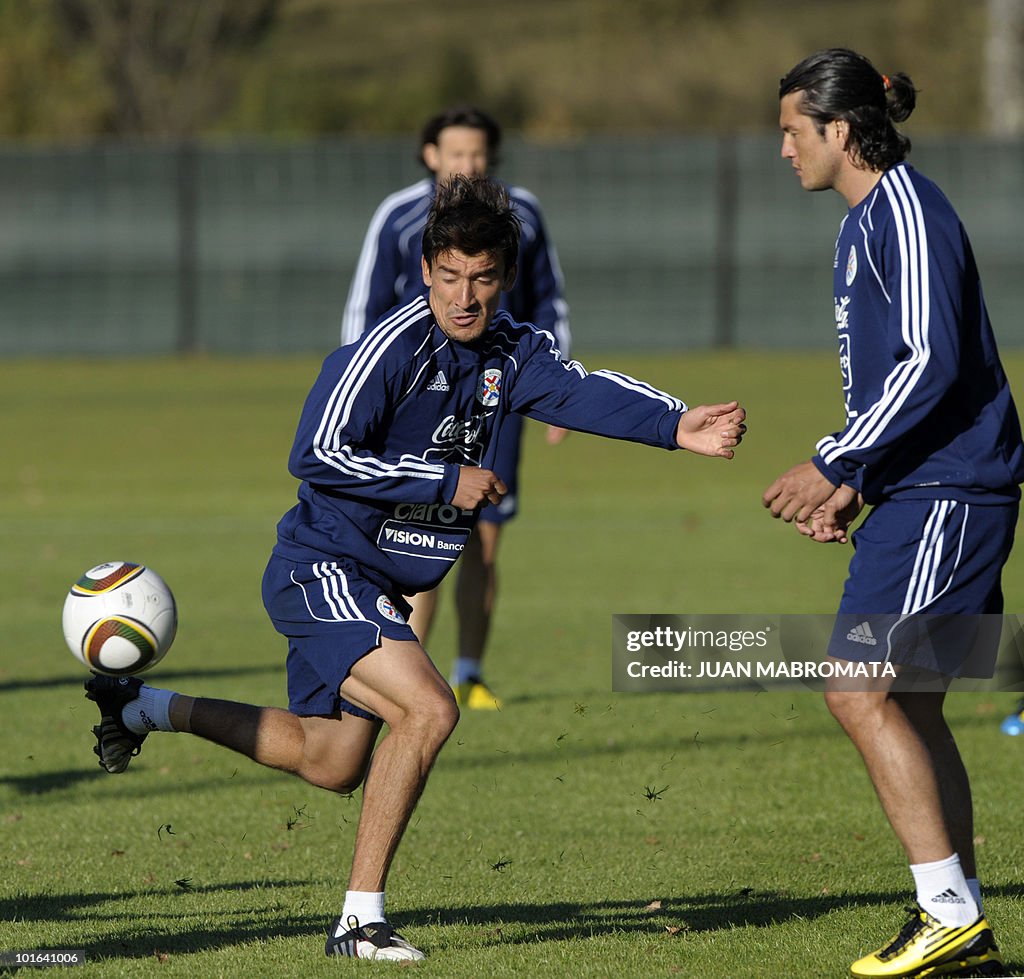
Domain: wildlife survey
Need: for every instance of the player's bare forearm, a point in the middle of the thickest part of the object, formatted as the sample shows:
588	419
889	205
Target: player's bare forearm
712	430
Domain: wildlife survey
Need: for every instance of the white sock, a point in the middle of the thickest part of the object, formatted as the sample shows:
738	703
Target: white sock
366	906
943	892
465	669
974	886
149	711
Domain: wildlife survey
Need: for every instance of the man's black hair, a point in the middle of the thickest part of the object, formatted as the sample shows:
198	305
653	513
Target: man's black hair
839	84
464	115
473	215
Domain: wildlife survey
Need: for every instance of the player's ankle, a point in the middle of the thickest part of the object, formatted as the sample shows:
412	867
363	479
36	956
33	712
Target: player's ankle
149	711
465	669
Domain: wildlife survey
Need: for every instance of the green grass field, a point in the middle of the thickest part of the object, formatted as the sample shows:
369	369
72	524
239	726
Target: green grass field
578	832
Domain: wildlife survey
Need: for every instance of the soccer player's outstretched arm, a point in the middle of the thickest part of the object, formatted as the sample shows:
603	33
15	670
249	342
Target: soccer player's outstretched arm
619	406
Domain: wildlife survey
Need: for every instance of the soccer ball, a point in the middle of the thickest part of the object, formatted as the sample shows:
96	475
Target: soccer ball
120	618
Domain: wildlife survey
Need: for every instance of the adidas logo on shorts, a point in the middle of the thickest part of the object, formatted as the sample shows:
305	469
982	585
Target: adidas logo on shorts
439	383
862	633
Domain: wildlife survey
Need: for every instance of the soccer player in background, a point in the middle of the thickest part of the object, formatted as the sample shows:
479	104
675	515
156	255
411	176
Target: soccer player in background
394	473
462	139
932	441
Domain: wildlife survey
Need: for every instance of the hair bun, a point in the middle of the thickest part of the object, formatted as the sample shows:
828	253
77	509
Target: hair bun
901	96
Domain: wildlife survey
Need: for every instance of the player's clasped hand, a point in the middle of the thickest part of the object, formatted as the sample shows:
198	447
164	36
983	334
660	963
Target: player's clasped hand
712	430
830	522
797	493
478	487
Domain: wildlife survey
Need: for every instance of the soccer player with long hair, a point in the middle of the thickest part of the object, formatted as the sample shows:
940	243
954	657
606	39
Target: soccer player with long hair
933	442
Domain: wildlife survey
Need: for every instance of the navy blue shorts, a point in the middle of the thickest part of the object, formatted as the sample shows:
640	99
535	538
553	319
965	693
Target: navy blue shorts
506	465
332	616
924	588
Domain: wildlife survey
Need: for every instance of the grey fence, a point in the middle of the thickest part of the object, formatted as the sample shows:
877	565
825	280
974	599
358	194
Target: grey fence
249	247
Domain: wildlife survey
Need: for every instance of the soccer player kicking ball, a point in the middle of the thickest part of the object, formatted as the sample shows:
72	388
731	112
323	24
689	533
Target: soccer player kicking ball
394	471
932	440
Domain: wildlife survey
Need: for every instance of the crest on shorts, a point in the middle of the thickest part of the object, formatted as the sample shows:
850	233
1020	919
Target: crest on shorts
387	608
851	265
488	391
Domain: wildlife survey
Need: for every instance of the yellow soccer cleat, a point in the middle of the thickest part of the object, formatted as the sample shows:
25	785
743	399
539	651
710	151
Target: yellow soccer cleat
925	947
476	695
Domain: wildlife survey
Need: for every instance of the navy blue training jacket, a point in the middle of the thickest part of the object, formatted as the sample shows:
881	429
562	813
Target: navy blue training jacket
392	418
929	414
